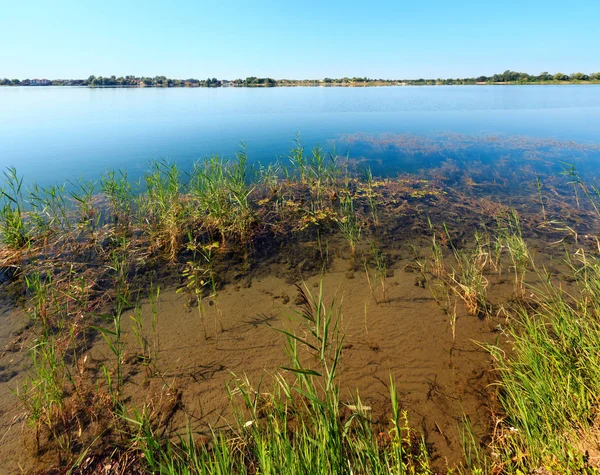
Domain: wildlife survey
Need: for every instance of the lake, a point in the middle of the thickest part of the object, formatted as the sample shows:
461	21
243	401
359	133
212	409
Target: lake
53	134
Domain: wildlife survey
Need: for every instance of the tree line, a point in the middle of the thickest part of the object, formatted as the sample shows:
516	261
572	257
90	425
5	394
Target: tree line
507	77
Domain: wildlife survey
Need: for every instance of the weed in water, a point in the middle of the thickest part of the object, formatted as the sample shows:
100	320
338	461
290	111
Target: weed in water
349	223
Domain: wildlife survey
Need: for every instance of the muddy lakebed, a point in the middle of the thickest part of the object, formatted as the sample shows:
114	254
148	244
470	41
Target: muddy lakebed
206	303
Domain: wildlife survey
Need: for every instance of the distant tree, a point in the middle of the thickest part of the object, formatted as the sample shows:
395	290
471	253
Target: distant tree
580	77
545	76
16	82
561	77
596	76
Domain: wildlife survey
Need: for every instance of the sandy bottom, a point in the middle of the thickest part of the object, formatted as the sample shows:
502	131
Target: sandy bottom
440	378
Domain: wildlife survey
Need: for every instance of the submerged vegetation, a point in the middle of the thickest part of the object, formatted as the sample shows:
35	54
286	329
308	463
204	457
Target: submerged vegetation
82	260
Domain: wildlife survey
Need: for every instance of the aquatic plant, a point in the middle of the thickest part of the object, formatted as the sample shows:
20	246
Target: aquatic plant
119	191
511	238
220	194
468	281
137	328
538	184
349	223
161	208
371	197
43	392
296	157
380	266
13	228
82	192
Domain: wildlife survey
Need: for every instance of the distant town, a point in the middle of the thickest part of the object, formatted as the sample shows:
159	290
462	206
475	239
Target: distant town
508	77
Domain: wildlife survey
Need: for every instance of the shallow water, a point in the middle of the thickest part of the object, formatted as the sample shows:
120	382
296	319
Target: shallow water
54	134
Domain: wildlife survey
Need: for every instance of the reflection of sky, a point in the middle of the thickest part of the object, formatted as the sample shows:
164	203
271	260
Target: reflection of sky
53	134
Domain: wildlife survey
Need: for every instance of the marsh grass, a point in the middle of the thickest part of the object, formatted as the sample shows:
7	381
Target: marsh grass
463	279
349	223
119	191
13	228
161	209
510	238
550	380
467	279
220	193
379	260
371	197
43	392
82	193
538	185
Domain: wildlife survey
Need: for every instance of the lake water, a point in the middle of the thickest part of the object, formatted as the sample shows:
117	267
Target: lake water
57	133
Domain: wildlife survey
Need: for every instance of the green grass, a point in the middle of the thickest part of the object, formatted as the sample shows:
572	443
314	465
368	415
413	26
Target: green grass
550	378
13	228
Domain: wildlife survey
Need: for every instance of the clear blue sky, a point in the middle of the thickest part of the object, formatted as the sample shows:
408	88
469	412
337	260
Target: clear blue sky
297	39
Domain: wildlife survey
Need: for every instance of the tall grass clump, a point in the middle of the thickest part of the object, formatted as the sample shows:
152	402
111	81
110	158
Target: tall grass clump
118	189
13	227
380	271
301	425
464	278
220	192
550	379
510	238
82	193
161	208
349	223
43	393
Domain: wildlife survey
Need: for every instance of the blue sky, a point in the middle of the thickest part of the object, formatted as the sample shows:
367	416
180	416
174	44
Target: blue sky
301	39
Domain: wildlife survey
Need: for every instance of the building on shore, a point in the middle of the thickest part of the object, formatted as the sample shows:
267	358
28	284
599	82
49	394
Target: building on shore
40	82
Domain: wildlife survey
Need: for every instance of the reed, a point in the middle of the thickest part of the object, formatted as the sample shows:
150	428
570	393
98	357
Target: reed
43	392
14	230
119	191
137	328
349	224
380	266
371	196
82	193
538	185
161	207
297	159
197	278
220	194
550	380
467	280
511	239
50	208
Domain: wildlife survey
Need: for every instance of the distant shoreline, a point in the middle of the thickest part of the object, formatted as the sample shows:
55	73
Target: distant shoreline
312	84
507	78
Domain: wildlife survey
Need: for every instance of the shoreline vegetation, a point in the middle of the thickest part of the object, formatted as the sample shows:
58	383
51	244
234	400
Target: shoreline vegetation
506	78
80	263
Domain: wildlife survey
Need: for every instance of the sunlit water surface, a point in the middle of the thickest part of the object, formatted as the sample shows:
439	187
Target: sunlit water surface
55	134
